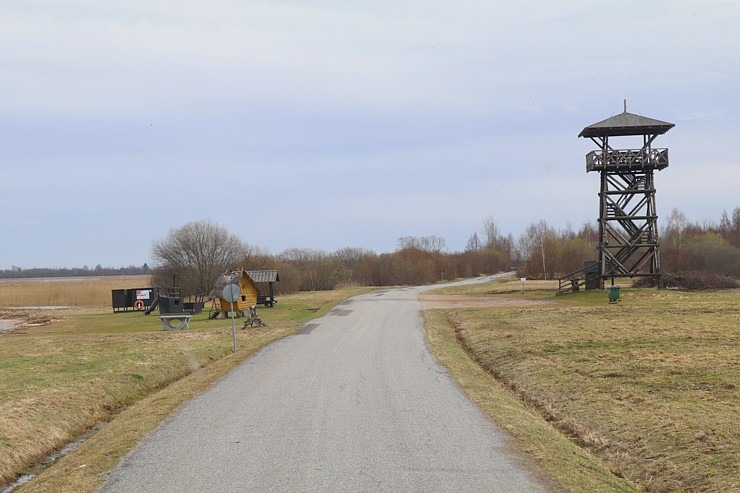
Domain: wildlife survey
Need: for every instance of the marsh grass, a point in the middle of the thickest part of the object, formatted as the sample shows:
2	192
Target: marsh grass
648	385
80	291
88	365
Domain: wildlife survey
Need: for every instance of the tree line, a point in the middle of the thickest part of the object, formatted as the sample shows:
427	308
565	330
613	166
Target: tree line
196	254
541	252
710	247
42	272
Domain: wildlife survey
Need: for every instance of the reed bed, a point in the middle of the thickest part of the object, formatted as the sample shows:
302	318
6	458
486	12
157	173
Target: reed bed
78	291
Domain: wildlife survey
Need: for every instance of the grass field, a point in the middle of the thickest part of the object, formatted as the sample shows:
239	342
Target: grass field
87	364
649	386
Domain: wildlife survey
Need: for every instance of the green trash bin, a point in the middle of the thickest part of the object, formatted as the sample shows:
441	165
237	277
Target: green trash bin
613	292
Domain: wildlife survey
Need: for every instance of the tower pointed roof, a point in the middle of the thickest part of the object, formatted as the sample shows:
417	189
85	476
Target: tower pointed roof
626	124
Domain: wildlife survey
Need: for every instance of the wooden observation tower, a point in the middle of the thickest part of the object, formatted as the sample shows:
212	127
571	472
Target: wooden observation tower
628	221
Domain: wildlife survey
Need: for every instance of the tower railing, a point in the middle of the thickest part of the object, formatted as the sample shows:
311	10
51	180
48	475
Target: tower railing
625	159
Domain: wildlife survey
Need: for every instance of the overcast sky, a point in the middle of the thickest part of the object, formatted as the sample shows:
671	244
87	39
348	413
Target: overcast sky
325	123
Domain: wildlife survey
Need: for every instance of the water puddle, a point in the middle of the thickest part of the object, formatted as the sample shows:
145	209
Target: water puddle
50	460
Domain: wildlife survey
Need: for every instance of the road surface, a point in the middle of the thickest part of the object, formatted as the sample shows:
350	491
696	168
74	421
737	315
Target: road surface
354	403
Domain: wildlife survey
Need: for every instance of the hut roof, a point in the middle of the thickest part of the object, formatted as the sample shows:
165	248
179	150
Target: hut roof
235	276
263	275
626	124
222	282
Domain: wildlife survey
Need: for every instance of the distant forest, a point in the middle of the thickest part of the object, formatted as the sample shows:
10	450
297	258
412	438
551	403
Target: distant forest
540	252
85	271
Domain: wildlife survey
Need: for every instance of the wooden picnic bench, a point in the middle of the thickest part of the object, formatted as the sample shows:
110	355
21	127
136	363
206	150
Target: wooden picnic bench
182	320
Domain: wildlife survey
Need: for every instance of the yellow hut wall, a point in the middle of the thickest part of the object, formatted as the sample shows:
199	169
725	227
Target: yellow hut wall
248	298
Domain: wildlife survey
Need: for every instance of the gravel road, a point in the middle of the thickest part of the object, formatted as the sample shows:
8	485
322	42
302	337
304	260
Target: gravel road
354	403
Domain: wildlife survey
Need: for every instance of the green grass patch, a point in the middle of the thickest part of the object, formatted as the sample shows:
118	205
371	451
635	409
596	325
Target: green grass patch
648	385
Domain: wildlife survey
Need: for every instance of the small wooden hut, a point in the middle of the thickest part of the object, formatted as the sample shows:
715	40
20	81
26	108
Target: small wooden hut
247	287
250	294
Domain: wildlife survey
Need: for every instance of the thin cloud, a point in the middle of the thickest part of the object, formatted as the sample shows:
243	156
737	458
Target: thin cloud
346	124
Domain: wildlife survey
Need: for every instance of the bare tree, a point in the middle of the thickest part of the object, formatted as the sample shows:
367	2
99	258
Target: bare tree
473	243
590	234
319	270
197	253
734	238
491	233
433	244
356	265
677	223
407	242
675	228
536	246
430	244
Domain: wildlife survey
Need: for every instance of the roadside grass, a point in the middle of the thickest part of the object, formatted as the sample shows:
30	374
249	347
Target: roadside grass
572	467
91	366
649	385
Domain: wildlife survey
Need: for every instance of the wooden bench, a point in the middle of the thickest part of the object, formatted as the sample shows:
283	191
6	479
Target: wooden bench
182	319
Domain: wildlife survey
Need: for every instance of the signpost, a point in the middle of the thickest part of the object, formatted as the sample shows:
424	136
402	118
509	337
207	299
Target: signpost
232	293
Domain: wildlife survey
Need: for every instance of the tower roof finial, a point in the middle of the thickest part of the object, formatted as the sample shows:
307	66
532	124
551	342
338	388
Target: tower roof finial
625	105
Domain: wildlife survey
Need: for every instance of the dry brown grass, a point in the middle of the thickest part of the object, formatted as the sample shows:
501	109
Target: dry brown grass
54	387
573	468
84	470
650	385
63	378
66	291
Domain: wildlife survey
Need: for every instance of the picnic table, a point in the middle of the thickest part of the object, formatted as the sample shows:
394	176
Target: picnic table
175	321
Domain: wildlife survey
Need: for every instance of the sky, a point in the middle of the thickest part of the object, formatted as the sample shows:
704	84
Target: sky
325	124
